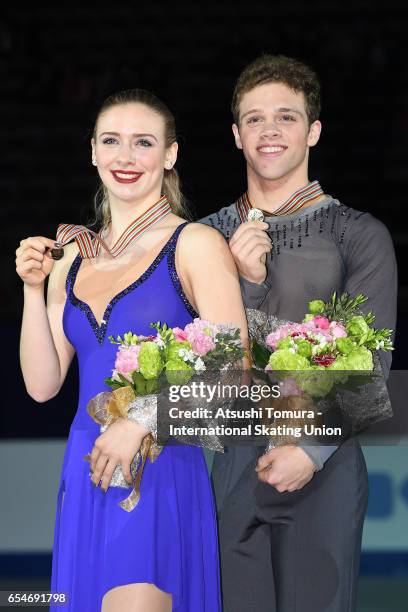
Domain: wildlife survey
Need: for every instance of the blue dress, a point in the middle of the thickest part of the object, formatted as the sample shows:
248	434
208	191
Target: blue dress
170	538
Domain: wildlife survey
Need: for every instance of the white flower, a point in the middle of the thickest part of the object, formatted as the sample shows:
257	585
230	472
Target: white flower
379	344
322	340
186	354
159	341
315	349
199	365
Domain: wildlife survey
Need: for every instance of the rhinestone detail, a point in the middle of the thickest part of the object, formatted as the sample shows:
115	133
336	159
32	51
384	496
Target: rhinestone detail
171	263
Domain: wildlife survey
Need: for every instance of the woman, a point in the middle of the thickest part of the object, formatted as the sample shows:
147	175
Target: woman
162	555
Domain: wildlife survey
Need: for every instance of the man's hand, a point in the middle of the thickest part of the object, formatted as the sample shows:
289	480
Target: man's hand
249	246
287	468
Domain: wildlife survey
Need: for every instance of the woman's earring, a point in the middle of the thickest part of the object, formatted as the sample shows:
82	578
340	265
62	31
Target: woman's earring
168	165
94	161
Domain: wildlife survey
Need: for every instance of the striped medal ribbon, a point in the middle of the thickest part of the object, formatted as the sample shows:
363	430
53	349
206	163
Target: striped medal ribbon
297	200
90	243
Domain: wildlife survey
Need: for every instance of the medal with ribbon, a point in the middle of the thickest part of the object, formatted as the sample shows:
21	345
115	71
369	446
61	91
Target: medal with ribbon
90	243
297	200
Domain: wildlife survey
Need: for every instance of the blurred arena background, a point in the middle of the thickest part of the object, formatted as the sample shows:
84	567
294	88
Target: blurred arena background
57	64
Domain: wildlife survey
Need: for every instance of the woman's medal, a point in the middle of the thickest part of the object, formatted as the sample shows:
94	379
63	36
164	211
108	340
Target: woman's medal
90	243
57	252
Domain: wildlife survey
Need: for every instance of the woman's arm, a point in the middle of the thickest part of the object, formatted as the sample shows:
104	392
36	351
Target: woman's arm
45	353
209	276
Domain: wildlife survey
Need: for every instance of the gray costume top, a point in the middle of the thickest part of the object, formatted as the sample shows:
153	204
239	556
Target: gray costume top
323	248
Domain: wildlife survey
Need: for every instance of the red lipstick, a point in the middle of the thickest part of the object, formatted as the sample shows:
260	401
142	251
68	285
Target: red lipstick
126	176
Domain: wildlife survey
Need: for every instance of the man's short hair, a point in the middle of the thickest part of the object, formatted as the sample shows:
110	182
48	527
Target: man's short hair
279	69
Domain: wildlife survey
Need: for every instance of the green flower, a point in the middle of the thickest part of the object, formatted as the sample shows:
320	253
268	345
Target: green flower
316	307
359	359
284	359
174	347
304	348
358	329
285	343
317	384
345	345
178	371
150	361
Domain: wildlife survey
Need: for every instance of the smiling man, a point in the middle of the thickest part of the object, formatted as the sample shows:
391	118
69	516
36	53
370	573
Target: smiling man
291	520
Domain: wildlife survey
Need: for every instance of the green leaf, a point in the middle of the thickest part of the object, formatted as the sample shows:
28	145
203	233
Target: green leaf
151	386
139	382
124	380
260	354
114	384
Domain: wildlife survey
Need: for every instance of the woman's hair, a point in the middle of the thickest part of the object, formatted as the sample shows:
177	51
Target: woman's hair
171	181
279	69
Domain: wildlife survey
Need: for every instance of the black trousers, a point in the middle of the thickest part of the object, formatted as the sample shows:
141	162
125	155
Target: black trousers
290	552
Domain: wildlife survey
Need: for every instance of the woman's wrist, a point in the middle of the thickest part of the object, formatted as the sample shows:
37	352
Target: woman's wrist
139	430
33	289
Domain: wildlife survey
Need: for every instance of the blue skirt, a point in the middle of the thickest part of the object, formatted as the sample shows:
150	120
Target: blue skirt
169	539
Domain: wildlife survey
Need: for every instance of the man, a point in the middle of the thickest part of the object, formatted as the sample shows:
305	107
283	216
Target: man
291	520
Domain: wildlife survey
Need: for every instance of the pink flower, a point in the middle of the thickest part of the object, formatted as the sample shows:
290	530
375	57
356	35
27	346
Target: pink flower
337	330
289	387
201	343
179	334
200	325
321	322
201	335
283	331
127	359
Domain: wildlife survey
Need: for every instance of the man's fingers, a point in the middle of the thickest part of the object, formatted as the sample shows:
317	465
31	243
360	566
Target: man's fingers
243	248
263	463
253	249
249	226
270	477
252	231
265	460
260	252
242	239
262	476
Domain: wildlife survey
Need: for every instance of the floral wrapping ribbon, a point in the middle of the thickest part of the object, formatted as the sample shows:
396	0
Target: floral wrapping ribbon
105	408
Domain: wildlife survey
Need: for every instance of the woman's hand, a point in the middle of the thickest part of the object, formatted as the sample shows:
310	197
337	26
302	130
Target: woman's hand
117	445
33	260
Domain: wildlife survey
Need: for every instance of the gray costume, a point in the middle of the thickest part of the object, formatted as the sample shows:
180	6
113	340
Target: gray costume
300	551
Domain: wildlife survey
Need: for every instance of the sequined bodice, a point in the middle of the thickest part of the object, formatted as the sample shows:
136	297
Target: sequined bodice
157	295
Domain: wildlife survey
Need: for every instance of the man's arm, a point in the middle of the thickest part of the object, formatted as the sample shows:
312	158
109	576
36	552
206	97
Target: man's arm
371	269
249	244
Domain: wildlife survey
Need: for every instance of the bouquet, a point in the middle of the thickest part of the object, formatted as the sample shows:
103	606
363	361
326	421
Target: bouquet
318	356
333	335
177	353
143	365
